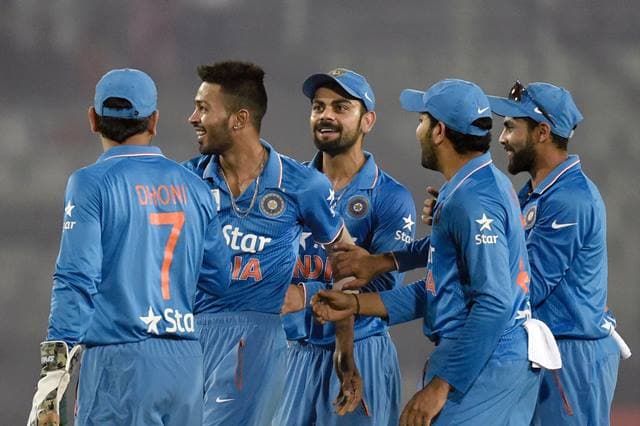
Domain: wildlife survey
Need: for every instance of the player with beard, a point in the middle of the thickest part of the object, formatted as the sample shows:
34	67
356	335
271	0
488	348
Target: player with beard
379	213
474	298
566	239
263	199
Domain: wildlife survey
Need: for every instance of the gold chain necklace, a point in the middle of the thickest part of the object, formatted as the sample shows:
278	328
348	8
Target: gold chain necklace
237	210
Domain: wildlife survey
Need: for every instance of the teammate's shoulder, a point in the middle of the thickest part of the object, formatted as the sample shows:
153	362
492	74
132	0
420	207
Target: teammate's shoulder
197	164
296	175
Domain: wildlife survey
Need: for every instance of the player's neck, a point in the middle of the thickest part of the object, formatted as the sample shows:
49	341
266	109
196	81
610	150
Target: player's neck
341	169
242	164
545	163
454	162
139	140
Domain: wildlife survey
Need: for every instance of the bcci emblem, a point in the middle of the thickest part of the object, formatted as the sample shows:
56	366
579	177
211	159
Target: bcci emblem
337	72
358	206
530	217
272	204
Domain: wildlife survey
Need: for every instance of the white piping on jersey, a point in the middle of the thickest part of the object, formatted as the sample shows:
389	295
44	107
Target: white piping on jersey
135	155
375	179
280	177
559	174
468	175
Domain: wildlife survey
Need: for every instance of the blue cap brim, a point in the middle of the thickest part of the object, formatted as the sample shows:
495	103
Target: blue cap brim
507	108
412	100
314	81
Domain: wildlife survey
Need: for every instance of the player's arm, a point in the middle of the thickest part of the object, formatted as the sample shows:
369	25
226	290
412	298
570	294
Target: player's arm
215	272
554	242
358	262
399	305
328	229
77	272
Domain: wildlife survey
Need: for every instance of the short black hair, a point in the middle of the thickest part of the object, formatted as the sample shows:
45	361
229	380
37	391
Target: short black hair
242	84
120	129
463	143
558	141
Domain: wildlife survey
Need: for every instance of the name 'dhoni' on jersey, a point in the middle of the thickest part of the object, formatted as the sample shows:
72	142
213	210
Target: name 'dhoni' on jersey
485	225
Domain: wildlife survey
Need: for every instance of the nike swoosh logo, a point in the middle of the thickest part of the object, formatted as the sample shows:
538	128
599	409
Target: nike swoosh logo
556	225
366	95
220	400
480	111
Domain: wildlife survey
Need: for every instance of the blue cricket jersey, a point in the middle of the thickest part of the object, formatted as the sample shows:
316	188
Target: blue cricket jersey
139	233
477	273
565	226
264	234
380	215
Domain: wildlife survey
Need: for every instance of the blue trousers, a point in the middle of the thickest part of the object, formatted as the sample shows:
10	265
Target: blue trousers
244	367
588	376
504	393
312	385
152	382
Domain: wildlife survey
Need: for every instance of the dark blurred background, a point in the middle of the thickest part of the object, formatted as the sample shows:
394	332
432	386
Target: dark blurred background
53	53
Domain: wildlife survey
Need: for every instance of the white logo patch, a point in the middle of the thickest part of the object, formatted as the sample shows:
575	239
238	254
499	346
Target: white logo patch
246	243
408	222
485	225
178	322
68	210
556	225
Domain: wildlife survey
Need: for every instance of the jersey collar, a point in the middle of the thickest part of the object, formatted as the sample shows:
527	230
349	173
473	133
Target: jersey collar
571	163
463	174
130	151
367	176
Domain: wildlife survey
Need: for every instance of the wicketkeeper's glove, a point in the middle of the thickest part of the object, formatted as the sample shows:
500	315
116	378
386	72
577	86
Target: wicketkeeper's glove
56	367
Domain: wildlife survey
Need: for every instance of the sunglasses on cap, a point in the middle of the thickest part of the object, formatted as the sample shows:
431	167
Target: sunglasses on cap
516	94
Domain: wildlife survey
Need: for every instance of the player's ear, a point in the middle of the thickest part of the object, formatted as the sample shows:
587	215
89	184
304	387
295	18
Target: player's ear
544	132
152	127
240	119
438	132
367	121
93	119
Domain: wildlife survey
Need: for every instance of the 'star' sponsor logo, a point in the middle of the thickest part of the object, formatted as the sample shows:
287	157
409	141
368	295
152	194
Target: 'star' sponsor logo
246	243
485	225
178	322
68	211
403	236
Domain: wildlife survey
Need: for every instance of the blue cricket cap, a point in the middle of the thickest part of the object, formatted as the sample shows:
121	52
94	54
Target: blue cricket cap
130	84
352	82
457	103
538	99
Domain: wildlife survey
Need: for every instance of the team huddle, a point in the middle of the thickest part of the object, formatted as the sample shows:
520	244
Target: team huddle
243	287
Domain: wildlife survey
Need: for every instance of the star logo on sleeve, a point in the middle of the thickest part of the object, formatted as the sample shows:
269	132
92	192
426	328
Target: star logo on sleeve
151	321
484	222
69	208
408	222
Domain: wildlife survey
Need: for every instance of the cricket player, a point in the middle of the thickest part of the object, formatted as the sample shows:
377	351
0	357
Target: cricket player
565	226
139	234
379	213
264	200
474	297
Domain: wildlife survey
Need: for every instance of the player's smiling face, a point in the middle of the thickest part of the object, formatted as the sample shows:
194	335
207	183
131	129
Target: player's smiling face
517	140
210	120
337	122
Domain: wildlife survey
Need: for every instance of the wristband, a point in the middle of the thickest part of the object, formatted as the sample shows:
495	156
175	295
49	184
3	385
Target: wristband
357	304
